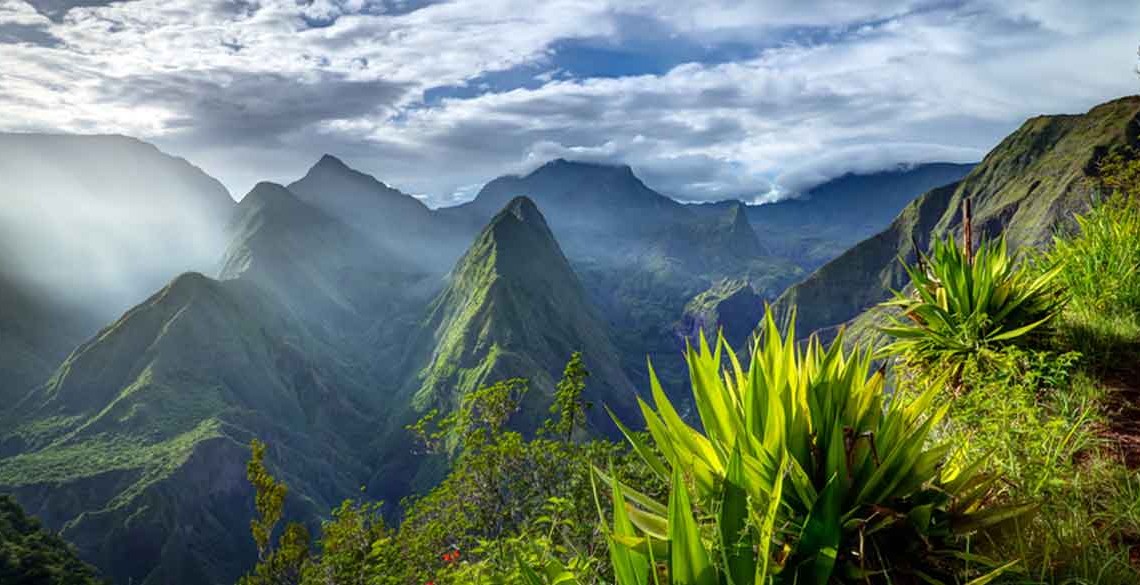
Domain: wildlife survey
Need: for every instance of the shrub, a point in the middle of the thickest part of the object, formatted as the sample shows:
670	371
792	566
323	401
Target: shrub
960	307
1102	259
804	469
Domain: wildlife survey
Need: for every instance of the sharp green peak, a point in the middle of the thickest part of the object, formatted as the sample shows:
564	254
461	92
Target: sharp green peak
514	307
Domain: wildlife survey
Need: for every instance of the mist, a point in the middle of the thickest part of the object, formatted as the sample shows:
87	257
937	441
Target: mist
99	223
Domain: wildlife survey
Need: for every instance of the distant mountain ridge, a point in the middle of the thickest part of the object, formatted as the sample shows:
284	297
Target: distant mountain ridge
89	226
831	217
401	225
592	207
1025	187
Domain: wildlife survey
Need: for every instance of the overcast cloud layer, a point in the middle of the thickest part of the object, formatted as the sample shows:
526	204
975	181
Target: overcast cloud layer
755	99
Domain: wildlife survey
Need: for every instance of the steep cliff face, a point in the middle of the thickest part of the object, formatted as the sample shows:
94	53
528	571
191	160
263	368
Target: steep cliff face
1027	185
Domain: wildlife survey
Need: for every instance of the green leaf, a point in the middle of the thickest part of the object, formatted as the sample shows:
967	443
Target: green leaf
689	562
735	537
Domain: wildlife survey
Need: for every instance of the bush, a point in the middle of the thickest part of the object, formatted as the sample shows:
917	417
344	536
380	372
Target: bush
962	308
803	451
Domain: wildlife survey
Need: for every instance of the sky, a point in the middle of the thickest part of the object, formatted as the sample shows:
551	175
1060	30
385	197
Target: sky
705	99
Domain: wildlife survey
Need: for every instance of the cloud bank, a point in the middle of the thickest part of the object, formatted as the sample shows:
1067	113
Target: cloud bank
706	100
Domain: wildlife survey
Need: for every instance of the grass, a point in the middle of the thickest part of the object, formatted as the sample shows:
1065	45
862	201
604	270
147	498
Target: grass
1045	421
1048	411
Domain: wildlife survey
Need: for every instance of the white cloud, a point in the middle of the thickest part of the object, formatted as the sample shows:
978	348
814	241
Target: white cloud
250	90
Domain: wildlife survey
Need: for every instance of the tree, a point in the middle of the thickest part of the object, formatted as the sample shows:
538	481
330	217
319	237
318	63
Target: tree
32	555
568	402
284	564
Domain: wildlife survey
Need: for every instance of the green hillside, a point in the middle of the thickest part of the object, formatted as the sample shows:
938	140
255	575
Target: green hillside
145	426
1030	182
136	445
730	307
67	270
514	307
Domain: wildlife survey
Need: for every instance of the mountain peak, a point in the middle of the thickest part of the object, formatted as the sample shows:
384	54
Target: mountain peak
331	166
267	195
513	276
328	161
524	209
566	165
518	235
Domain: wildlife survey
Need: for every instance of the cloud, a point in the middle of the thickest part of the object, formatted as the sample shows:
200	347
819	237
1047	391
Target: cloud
262	109
57	9
781	94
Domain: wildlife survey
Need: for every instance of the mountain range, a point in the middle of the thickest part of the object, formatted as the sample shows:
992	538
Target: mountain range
324	315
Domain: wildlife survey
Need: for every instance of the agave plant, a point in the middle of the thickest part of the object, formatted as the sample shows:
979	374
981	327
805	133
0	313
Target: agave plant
961	306
803	471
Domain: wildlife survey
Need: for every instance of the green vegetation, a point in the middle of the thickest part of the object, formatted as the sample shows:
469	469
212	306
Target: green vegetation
29	555
1102	261
804	455
802	467
962	306
569	404
508	504
1048	411
811	464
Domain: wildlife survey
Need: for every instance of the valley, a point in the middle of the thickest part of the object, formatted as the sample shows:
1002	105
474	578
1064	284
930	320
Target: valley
337	310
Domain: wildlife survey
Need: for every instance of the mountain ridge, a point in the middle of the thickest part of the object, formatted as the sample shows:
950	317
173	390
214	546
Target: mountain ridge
1025	187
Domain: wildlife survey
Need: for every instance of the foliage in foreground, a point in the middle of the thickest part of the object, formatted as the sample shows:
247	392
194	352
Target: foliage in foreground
1037	409
508	504
29	555
805	470
1101	260
962	306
